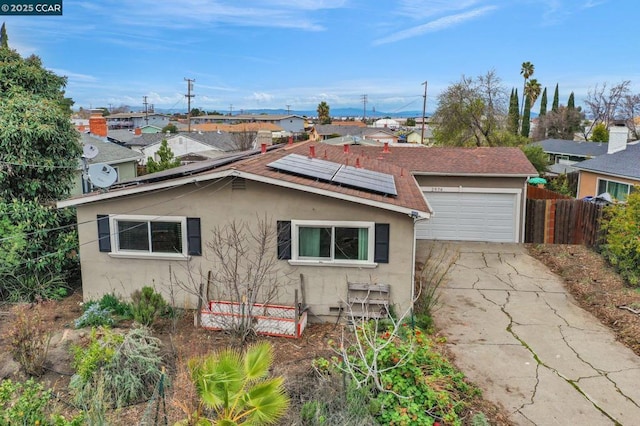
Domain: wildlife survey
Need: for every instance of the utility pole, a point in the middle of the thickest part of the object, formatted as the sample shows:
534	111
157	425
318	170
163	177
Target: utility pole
364	108
189	95
424	111
230	110
146	110
288	109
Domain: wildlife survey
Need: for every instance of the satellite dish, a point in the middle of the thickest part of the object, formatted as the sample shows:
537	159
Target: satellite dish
102	175
89	151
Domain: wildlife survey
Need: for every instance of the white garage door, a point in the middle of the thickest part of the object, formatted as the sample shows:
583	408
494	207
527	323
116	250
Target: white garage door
470	216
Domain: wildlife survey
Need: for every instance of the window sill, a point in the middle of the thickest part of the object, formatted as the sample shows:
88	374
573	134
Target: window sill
148	256
366	265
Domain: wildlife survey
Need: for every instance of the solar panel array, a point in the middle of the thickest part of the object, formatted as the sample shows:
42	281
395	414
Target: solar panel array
337	173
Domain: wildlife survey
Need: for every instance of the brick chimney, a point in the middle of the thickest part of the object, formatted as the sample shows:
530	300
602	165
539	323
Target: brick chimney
97	123
618	137
137	131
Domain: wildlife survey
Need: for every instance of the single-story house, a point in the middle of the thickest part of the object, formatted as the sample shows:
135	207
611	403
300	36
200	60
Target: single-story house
322	132
288	122
477	194
332	224
207	144
133	120
615	172
563	154
416	136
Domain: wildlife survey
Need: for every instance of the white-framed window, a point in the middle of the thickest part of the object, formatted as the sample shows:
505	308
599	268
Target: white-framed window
332	242
618	190
139	235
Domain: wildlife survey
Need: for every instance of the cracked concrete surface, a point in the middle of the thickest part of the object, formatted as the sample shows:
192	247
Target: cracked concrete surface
518	335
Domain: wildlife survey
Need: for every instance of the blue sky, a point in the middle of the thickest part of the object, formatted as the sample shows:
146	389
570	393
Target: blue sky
273	53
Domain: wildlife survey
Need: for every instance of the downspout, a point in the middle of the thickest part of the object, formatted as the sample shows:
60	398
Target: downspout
413	267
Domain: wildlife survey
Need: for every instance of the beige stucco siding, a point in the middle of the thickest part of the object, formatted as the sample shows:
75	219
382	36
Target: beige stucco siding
216	204
588	183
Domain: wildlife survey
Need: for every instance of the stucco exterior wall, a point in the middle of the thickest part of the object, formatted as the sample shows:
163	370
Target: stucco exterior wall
588	183
216	204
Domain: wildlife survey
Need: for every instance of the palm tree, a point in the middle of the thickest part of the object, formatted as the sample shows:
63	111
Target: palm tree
526	71
323	113
532	90
236	387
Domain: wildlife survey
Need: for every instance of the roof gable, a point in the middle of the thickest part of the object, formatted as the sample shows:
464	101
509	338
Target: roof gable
622	163
574	148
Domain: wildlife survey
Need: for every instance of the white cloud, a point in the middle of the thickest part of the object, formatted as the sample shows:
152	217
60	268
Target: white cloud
75	77
436	25
419	9
261	97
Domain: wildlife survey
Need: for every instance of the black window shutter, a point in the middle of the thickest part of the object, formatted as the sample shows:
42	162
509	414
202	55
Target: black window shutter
381	254
104	234
284	239
194	238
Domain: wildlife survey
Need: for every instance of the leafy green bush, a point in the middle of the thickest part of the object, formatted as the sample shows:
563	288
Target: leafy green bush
147	305
29	342
419	386
38	251
117	307
127	367
29	403
622	238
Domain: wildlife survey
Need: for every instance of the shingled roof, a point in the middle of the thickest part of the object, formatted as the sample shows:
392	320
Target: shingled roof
454	161
254	166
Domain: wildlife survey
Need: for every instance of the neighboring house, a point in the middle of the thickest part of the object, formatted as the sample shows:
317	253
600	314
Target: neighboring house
351	140
386	123
564	154
288	122
123	160
321	132
615	172
415	136
204	144
332	226
133	120
477	194
275	130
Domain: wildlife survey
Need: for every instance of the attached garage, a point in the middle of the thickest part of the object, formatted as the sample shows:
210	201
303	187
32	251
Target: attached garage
471	216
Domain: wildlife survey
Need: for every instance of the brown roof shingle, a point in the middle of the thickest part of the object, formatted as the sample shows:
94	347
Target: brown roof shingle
454	161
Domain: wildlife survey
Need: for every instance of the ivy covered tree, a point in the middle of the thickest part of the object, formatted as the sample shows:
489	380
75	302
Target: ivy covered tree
39	153
166	159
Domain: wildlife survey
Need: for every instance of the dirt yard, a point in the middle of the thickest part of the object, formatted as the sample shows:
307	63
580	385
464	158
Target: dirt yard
594	285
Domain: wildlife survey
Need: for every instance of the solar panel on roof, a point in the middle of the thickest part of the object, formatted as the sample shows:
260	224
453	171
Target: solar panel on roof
366	179
305	166
329	171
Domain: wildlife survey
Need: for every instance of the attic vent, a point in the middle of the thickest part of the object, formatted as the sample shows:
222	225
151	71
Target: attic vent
238	184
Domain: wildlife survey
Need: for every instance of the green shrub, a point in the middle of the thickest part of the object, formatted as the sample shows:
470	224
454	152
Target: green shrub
29	403
117	369
94	316
622	238
29	343
419	386
147	305
117	307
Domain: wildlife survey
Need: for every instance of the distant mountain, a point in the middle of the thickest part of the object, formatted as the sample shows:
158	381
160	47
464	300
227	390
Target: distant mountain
335	112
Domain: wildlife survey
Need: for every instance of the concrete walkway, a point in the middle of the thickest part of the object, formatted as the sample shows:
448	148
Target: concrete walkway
520	337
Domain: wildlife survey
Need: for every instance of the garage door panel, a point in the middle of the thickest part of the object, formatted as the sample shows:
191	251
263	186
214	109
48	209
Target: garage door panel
470	216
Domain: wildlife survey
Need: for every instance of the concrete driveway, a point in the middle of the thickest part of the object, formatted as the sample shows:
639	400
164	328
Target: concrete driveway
520	337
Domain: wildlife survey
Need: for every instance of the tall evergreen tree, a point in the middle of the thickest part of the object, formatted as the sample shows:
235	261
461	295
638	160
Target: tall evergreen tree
4	39
514	112
526	117
571	103
556	100
543	103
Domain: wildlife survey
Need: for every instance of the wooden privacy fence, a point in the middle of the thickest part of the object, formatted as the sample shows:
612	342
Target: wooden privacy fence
563	221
